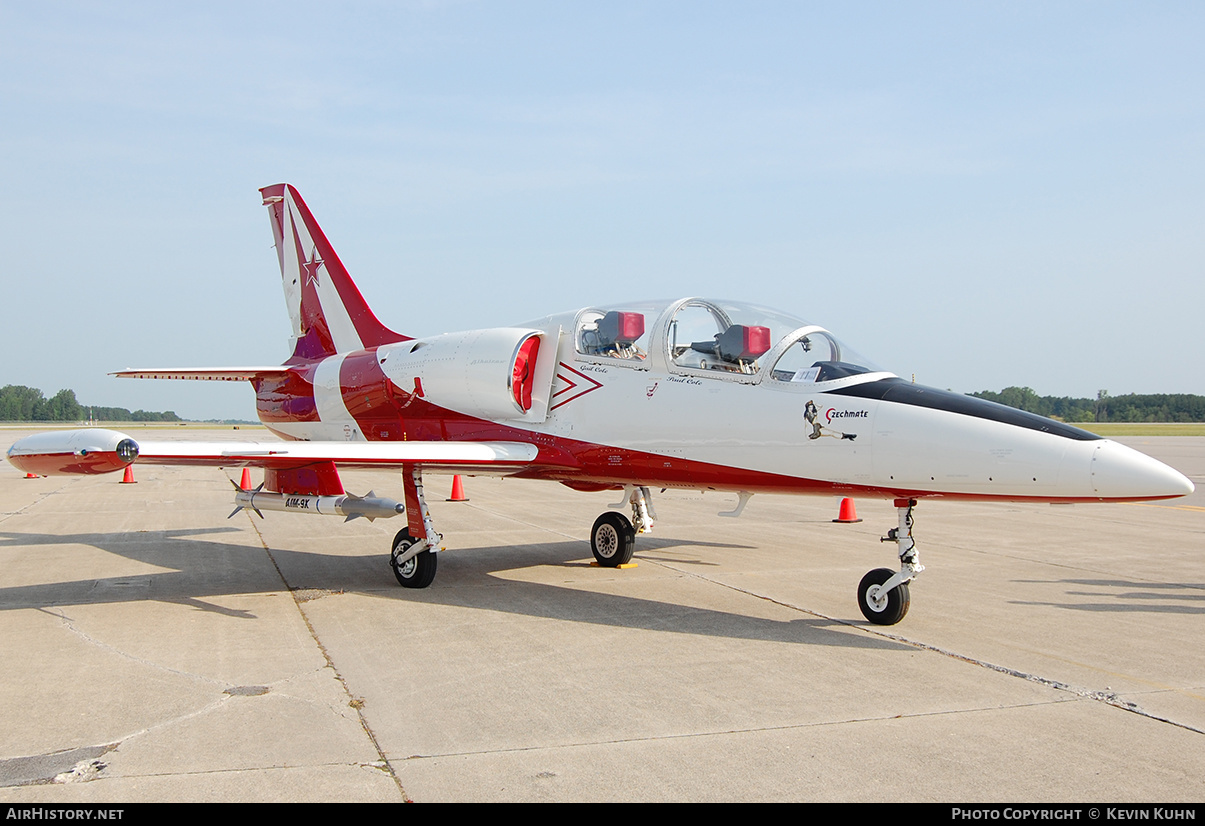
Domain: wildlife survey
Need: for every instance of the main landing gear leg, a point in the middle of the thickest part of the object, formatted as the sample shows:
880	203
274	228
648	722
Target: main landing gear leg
642	508
413	557
883	594
613	537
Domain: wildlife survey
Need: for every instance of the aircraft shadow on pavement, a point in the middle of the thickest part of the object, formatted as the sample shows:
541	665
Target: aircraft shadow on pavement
193	560
1128	596
206	569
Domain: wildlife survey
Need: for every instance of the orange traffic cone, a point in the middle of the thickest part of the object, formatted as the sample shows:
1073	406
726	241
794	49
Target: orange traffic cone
848	512
458	490
128	477
245	482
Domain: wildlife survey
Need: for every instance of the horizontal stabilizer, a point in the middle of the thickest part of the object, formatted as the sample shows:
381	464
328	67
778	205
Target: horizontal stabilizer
204	373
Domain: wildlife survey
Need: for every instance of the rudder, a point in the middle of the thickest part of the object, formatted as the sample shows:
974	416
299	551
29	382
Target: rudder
327	312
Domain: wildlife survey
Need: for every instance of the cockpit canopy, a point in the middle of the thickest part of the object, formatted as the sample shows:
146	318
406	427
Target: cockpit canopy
719	339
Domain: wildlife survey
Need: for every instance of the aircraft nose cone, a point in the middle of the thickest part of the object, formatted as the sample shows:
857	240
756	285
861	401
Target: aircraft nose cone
1119	472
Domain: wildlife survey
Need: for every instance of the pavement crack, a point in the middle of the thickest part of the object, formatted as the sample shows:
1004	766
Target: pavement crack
70	625
1106	697
40	497
694	735
300	597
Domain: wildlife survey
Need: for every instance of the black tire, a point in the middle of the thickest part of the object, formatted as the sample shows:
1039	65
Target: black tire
896	605
416	572
613	539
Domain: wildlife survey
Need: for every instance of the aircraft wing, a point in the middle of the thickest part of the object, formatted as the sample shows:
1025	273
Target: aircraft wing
95	450
455	456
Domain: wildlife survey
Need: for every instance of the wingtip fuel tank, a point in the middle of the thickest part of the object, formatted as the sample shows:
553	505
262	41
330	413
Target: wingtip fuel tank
89	451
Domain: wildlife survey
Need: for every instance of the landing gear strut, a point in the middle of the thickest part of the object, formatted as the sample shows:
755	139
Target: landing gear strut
883	594
412	556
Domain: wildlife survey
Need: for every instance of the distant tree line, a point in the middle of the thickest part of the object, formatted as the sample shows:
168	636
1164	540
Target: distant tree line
27	404
1157	407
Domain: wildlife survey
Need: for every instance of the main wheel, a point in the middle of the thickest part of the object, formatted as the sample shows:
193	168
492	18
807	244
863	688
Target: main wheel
612	540
416	572
880	608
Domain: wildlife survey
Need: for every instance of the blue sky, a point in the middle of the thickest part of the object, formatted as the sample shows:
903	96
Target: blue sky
980	194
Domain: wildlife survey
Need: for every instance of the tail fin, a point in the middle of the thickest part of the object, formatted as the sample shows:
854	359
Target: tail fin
326	309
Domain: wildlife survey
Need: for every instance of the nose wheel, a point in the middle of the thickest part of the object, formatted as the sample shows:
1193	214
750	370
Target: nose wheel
880	606
883	593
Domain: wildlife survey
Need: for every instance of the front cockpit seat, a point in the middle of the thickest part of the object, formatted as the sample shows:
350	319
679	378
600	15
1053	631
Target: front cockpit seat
740	345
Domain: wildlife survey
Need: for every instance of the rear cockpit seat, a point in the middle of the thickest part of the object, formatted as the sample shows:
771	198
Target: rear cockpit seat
739	345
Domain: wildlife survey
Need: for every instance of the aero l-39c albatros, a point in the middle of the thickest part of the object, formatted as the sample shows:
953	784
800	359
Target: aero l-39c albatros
695	393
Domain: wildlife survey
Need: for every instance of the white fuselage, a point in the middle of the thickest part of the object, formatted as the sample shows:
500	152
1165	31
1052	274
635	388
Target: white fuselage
806	436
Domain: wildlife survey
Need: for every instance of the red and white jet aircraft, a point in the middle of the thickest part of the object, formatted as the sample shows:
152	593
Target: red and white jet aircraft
693	393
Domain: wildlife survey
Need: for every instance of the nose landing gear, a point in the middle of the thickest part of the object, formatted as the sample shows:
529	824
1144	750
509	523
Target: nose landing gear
883	594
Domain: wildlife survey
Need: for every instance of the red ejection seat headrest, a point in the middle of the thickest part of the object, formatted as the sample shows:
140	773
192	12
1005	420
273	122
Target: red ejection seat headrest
620	329
741	343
